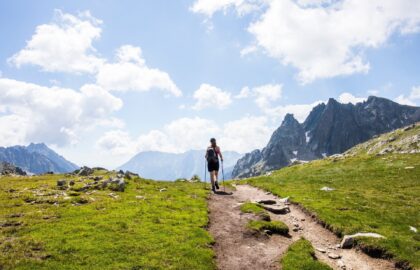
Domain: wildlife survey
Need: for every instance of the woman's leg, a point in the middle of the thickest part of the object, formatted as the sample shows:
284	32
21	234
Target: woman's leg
212	177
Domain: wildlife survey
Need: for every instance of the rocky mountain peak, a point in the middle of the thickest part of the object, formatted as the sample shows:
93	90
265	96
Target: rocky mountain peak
329	129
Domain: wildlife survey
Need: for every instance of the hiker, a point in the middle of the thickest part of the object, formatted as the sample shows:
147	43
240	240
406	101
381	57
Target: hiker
212	156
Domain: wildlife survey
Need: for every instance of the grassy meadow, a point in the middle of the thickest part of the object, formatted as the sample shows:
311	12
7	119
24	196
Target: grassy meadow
151	225
371	193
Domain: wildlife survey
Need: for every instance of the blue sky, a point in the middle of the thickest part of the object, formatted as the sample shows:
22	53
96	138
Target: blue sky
70	69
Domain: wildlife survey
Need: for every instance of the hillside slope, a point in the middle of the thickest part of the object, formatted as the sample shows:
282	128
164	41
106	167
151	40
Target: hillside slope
36	158
329	129
367	189
83	225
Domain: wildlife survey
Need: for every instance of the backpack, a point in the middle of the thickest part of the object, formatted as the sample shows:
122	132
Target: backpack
212	155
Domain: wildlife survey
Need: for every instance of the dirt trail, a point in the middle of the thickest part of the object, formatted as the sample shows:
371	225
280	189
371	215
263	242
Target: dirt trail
237	248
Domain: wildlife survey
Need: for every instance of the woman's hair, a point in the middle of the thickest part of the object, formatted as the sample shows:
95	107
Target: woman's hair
213	142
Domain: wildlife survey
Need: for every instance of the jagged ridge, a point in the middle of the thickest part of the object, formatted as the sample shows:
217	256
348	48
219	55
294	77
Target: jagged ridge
329	129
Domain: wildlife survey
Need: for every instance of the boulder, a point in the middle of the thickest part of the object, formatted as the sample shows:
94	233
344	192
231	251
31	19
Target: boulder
277	209
10	169
266	201
62	184
333	256
327	189
85	171
348	240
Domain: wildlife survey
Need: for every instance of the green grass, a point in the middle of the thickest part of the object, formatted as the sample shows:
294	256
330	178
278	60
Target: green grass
372	194
161	230
301	255
277	227
249	207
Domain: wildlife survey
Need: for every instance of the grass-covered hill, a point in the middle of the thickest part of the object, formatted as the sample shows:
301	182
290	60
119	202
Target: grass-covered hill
87	224
375	188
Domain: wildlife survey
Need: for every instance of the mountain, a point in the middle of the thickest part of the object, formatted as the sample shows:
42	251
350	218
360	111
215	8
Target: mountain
170	166
36	158
329	129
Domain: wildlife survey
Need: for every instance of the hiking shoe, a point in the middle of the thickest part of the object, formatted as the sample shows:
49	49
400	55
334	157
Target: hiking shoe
213	189
216	184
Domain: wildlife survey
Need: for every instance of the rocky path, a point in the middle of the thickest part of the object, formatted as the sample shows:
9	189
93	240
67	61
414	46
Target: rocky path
237	248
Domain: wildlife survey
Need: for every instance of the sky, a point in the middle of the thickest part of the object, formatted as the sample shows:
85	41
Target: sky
99	81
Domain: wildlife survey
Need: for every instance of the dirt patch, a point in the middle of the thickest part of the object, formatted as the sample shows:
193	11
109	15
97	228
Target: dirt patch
236	248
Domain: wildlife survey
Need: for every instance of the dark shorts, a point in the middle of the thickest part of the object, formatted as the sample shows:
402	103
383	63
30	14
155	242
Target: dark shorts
213	166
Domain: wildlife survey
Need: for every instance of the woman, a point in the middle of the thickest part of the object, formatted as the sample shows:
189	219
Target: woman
212	156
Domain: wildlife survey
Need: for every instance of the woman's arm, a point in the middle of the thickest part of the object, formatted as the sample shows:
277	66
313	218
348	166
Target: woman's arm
220	154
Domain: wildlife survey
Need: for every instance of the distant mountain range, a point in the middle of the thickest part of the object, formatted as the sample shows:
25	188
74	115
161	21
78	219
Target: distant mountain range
170	166
329	129
36	158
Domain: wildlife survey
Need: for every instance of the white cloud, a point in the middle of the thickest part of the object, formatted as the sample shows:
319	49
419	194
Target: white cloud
33	113
244	93
248	50
208	96
176	137
265	94
415	92
401	99
64	45
412	97
246	134
130	73
209	7
299	111
242	135
323	38
349	98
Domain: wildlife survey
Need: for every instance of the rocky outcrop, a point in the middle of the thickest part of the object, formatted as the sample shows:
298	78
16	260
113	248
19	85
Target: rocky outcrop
329	129
10	169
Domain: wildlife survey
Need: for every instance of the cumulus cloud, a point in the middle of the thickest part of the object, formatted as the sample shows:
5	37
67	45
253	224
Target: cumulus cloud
322	38
264	95
64	45
51	114
349	98
209	7
411	99
130	73
242	135
299	111
208	96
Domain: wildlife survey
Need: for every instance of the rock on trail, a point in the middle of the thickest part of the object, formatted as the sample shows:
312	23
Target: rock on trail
237	248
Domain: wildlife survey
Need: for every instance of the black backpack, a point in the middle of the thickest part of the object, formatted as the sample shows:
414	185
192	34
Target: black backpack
212	155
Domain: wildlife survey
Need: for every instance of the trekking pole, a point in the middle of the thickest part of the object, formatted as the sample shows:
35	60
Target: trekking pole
223	174
205	175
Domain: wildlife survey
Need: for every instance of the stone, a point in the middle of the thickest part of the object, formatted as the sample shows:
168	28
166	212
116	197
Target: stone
327	189
284	200
10	169
138	197
62	183
162	189
85	171
322	250
341	264
333	256
71	183
277	209
413	229
409	168
348	240
267	202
